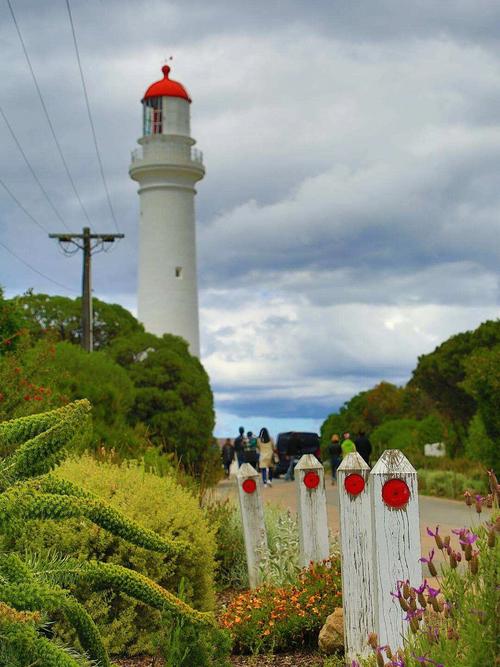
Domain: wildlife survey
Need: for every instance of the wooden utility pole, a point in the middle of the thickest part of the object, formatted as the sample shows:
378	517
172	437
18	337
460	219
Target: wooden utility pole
87	242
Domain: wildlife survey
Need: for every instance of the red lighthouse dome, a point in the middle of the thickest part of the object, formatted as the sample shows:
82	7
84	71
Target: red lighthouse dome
166	87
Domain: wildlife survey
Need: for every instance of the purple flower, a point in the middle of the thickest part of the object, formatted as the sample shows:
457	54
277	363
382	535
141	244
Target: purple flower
467	538
398	663
421	588
436	536
433	591
355	663
430	564
417	613
459	531
427	560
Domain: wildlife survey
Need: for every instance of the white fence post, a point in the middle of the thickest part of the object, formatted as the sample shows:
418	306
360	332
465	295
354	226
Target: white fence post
356	548
252	517
311	506
396	541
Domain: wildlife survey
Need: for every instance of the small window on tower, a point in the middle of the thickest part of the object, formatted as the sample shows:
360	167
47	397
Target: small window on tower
178	271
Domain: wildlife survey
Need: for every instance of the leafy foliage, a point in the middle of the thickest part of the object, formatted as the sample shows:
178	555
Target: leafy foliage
482	382
36	444
60	316
172	397
448	387
441	373
145	389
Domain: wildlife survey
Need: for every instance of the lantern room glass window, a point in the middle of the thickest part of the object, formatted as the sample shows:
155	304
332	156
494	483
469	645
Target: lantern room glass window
152	116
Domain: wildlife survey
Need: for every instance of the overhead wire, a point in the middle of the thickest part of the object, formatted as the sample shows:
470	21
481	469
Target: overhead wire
21	206
91	121
30	167
46	113
32	268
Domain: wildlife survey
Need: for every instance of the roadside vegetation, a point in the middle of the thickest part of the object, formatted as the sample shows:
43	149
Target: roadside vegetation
453	398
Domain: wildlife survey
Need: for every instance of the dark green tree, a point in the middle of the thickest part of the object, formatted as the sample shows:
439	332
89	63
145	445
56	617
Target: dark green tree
441	373
172	396
61	317
365	411
482	382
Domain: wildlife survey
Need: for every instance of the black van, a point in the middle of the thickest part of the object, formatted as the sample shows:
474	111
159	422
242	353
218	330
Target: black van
302	443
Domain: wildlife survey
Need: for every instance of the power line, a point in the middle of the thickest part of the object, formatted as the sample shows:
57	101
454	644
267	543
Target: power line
33	173
21	206
89	113
44	107
32	268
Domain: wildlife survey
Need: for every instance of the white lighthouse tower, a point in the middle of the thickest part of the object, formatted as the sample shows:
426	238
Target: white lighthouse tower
167	167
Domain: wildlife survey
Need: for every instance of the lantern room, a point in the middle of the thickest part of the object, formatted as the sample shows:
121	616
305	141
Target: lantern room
166	107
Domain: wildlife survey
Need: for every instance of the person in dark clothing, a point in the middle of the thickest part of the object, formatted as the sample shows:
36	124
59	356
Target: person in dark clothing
227	455
364	446
251	455
239	446
335	452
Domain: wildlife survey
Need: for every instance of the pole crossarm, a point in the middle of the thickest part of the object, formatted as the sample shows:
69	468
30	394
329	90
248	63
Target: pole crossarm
88	242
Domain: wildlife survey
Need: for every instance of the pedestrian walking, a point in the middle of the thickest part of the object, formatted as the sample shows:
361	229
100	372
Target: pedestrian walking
266	449
335	452
348	445
227	455
239	446
363	446
251	454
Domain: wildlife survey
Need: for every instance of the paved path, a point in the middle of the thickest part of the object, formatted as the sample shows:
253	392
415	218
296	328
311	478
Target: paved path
447	514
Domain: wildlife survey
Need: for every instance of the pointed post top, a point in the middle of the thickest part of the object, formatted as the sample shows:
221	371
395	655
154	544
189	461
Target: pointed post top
308	462
353	462
246	471
393	462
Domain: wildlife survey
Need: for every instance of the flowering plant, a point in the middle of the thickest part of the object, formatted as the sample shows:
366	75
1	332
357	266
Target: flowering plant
452	621
276	618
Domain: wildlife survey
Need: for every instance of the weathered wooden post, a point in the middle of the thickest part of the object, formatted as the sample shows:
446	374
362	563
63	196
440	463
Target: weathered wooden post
396	541
311	505
252	518
356	548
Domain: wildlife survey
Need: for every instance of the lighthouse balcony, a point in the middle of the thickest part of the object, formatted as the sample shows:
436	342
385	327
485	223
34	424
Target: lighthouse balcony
167	154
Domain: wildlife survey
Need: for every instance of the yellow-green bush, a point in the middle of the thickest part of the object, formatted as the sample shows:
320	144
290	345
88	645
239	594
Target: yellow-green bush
158	503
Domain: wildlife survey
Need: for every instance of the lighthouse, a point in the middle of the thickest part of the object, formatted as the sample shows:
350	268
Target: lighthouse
167	166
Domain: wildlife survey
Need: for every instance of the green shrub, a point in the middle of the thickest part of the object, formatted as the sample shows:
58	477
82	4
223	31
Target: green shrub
479	446
274	618
160	504
450	484
230	556
182	645
278	568
40	582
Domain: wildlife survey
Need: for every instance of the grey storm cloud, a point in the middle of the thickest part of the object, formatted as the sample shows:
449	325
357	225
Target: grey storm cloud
348	221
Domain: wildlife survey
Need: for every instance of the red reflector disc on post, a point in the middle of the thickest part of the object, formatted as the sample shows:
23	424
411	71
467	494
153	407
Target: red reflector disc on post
311	479
395	493
354	484
249	486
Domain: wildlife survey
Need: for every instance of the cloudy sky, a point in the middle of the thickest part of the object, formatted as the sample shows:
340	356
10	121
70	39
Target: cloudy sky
349	218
